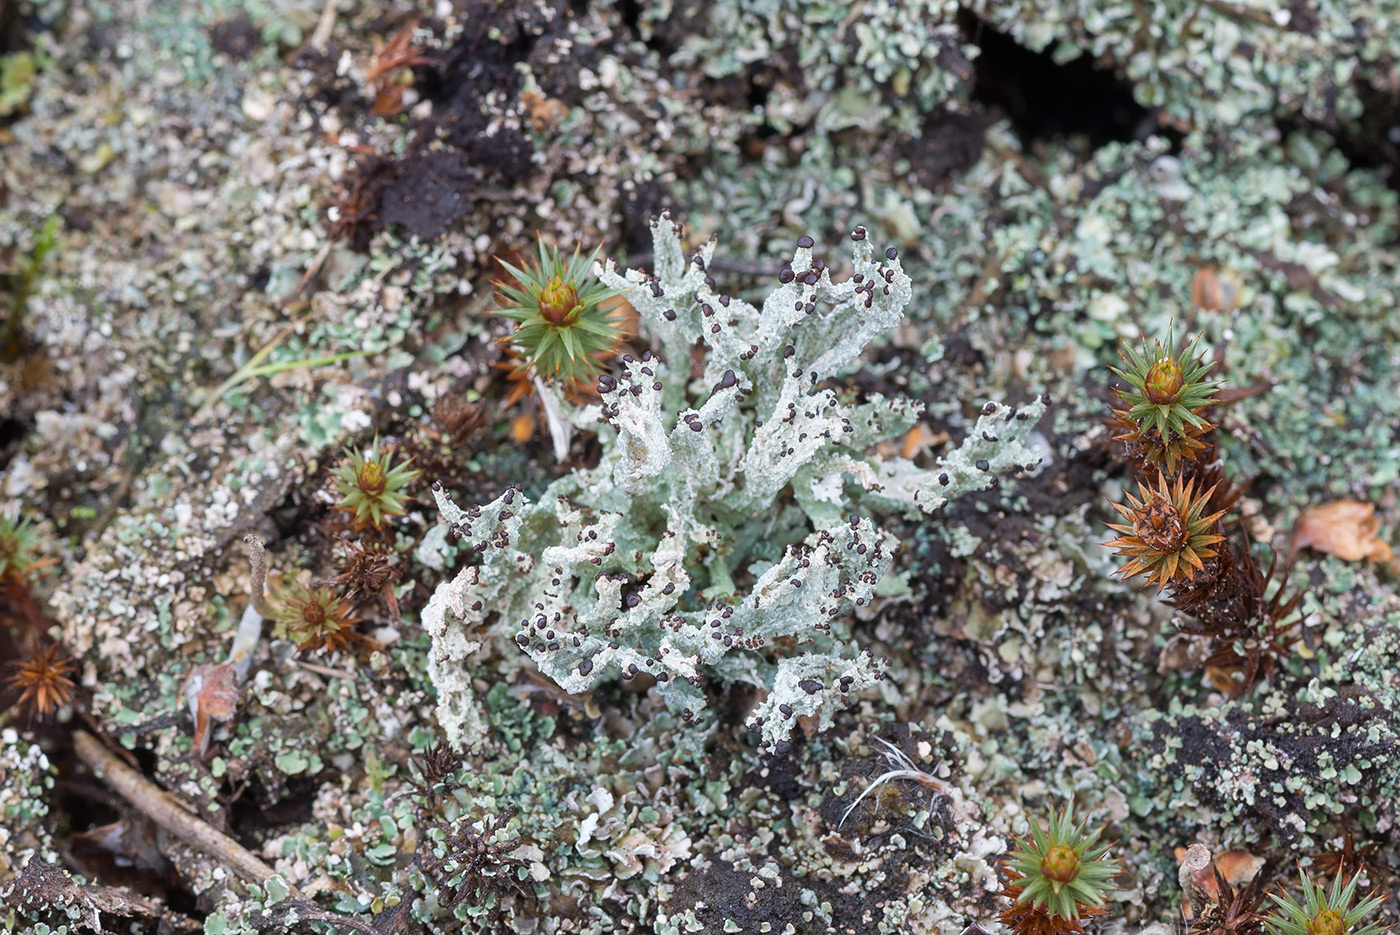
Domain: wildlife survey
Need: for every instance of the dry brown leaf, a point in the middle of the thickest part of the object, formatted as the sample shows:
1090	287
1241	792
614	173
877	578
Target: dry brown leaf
546	113
1237	867
522	429
1347	529
628	319
916	441
1216	290
211	691
1222	679
919	439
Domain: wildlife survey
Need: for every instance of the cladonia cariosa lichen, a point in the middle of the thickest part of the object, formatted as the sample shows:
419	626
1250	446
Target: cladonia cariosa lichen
719	536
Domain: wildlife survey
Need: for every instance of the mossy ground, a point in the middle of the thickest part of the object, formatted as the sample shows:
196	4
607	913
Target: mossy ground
199	158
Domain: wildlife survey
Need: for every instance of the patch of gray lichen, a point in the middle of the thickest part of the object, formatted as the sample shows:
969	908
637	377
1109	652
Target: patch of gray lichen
200	348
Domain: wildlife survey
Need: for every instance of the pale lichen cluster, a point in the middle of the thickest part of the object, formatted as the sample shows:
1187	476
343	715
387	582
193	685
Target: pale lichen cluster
26	778
717	522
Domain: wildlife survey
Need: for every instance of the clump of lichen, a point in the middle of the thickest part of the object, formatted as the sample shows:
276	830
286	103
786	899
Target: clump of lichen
717	525
1031	261
25	780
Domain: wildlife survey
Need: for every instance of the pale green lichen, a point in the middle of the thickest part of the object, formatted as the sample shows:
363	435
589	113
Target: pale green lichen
718	522
1218	65
25	780
1029	265
855	57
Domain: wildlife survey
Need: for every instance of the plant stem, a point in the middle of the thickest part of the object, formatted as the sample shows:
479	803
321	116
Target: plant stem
163	809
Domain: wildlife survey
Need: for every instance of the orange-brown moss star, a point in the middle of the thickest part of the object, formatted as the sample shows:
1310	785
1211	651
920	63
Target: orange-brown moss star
1169	535
43	682
315	618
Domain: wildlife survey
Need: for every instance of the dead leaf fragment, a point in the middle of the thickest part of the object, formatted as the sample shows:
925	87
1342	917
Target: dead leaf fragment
1216	290
920	439
211	691
546	113
522	429
1237	867
1347	529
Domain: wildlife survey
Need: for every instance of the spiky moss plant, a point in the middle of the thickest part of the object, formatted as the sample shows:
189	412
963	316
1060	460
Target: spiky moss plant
1057	876
371	485
314	618
1231	912
562	332
1163	424
43	682
1174	531
1323	913
19	549
1170	535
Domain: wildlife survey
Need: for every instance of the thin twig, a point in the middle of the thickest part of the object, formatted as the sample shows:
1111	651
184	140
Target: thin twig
254	367
257	557
163	809
327	671
321	36
315	267
1235	11
166	812
306	911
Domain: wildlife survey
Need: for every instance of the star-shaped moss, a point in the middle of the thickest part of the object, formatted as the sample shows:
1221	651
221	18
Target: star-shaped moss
20	546
563	330
1061	870
1324	913
371	485
314	618
1169	535
1166	397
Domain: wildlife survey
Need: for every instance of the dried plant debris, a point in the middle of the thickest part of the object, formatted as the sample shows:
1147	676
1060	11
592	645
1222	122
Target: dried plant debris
1344	528
1176	533
48	890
